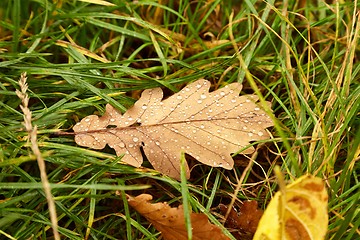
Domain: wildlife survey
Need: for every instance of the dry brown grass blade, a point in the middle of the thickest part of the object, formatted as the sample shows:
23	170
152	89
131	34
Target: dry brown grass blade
32	131
207	126
171	221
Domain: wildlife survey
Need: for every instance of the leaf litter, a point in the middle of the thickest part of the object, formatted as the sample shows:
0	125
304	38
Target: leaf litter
243	222
171	221
209	126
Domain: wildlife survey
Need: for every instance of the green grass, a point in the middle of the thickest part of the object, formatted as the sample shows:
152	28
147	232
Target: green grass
80	56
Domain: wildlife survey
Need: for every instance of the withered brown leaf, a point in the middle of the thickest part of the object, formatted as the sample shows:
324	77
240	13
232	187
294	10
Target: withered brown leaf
207	126
245	221
171	221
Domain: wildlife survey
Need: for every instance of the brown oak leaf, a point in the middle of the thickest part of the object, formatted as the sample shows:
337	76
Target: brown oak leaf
209	126
171	221
245	221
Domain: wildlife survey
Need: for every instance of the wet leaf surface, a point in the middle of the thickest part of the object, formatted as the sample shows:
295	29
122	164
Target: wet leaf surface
207	126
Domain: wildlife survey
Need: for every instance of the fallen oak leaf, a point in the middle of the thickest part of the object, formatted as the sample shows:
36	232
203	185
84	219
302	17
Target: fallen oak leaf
297	212
207	126
171	221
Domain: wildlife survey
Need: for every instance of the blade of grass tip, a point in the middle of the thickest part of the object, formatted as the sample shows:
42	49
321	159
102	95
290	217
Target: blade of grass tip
116	28
126	210
159	52
7	235
167	85
214	189
16	20
91	214
204	19
43	29
185	196
121	45
99	2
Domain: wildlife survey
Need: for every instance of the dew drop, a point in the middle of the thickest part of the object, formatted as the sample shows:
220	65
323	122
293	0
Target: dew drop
198	86
202	96
112	120
144	107
157	143
250	134
135	139
256	109
179	97
131	145
122	145
87	119
260	134
233	100
199	101
222	93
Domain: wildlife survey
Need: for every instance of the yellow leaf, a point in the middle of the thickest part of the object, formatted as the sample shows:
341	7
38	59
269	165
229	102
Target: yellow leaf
297	212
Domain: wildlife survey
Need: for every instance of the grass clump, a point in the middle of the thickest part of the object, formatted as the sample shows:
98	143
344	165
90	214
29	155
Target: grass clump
302	56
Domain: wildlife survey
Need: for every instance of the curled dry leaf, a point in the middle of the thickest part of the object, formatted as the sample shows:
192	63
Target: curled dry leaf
207	126
300	213
171	221
246	220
